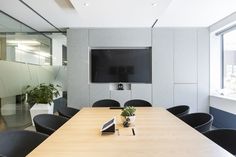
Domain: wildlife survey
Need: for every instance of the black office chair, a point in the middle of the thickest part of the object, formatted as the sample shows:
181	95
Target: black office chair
67	112
138	103
106	103
226	138
19	143
179	111
199	121
47	123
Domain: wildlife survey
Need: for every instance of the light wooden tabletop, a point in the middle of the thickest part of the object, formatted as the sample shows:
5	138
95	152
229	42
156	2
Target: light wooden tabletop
158	134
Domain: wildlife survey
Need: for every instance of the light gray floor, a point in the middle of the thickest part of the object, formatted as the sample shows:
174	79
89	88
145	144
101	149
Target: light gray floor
20	120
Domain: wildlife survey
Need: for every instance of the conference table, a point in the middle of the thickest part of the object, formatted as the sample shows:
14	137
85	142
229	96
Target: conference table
158	133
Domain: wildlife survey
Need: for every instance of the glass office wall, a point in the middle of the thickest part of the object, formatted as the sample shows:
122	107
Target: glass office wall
19	43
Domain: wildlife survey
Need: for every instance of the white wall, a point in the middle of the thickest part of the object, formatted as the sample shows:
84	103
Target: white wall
180	65
80	91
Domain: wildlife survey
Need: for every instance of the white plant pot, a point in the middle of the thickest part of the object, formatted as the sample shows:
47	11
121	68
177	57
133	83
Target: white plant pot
131	119
41	109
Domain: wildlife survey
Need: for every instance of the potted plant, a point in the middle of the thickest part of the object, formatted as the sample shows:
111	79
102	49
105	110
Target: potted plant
40	98
128	115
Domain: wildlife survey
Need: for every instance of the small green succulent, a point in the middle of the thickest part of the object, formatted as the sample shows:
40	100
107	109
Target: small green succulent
128	111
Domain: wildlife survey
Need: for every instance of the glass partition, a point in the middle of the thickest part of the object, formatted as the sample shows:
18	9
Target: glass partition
19	43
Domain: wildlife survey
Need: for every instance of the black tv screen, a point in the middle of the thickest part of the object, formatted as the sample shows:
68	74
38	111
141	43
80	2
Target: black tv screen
121	65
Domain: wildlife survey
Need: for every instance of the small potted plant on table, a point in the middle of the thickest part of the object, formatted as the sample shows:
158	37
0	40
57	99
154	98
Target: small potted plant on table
128	115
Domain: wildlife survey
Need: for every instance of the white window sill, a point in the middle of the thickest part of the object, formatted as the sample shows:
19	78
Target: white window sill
223	102
228	97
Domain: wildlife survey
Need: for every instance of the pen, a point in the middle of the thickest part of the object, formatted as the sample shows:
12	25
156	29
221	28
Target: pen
133	131
118	132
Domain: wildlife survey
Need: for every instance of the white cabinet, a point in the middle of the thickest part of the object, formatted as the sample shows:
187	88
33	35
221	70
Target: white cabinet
108	91
185	56
186	94
121	96
78	65
180	65
120	37
142	91
99	92
180	75
162	67
203	70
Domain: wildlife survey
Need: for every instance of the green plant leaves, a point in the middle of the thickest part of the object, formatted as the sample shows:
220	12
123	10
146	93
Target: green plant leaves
42	93
128	111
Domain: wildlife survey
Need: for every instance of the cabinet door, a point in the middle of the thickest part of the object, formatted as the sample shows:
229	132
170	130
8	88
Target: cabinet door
203	70
162	67
99	92
142	91
185	56
186	94
121	96
78	65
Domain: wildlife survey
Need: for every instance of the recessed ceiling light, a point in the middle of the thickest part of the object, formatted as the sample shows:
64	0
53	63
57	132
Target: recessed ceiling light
154	4
86	4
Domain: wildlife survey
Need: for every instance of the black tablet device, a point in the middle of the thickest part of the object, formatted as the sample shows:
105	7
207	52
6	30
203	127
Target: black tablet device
109	126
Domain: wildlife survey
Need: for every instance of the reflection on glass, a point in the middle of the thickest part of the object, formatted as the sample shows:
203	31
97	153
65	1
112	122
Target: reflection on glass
19	43
28	49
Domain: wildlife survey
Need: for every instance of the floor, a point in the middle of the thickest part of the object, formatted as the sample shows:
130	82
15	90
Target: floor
30	128
20	120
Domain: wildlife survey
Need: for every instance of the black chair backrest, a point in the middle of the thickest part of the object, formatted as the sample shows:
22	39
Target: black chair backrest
106	103
67	112
47	123
19	143
179	111
226	138
138	103
200	121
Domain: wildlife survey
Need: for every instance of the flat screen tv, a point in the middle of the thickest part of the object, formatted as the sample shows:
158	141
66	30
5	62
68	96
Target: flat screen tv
121	65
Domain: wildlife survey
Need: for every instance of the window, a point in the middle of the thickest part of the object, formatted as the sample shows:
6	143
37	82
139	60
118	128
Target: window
229	61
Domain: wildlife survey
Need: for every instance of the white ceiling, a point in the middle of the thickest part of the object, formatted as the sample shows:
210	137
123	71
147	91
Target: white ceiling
98	13
119	13
196	13
19	11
